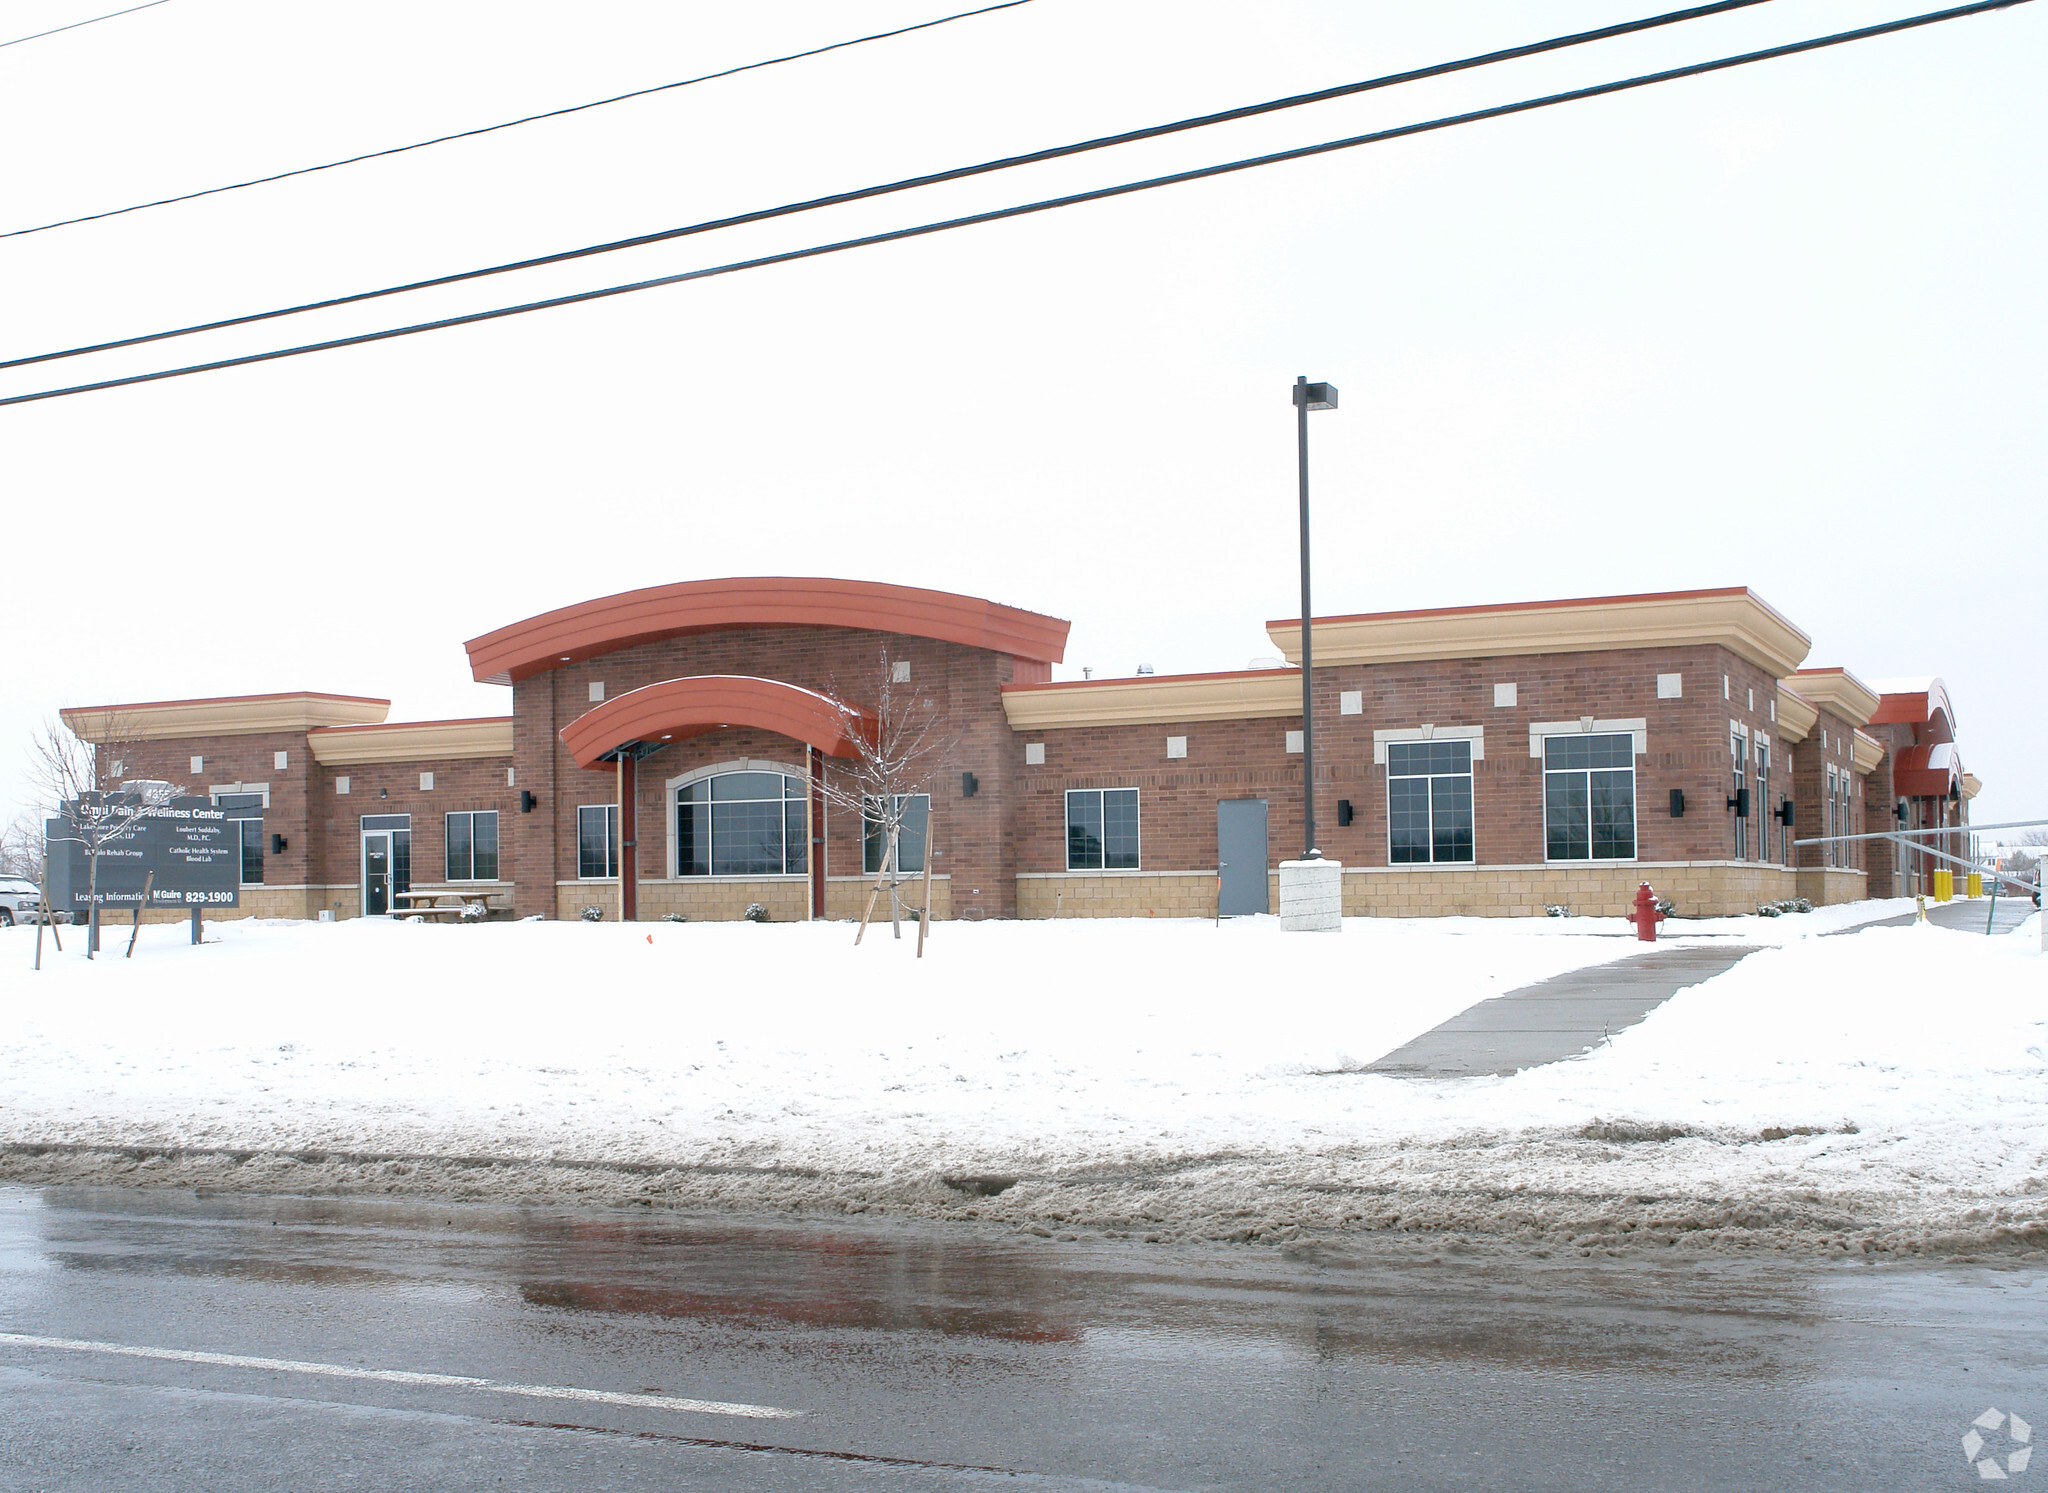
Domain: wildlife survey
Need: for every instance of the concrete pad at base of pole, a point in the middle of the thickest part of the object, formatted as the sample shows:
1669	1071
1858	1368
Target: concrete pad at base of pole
1312	896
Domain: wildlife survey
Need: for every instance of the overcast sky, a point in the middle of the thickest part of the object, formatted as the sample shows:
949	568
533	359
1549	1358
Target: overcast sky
1780	327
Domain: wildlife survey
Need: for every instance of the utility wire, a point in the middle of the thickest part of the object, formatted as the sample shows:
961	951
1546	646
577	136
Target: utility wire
396	150
908	183
1497	111
93	21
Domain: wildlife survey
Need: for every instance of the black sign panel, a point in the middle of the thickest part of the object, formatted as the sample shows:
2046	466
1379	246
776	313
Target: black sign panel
193	847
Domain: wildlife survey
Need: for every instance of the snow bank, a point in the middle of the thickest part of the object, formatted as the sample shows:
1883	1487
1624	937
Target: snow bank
1165	1077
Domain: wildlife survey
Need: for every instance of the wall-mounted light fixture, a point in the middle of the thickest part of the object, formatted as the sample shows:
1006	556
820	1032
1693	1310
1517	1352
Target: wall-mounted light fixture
527	801
383	793
1344	811
1677	803
969	785
277	844
1784	815
1740	803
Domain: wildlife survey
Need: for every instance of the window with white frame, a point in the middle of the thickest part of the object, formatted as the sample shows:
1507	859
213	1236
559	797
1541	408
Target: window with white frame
1102	829
246	812
1429	801
597	841
912	829
1738	750
1850	852
472	845
748	823
1589	797
1759	801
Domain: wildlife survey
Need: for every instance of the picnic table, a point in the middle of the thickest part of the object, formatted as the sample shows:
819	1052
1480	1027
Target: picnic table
449	902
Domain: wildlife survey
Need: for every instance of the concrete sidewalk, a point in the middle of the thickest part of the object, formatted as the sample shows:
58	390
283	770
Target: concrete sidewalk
1569	1015
1557	1018
1966	916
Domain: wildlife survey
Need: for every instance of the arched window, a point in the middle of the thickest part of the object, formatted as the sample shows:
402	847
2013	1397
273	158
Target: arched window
747	823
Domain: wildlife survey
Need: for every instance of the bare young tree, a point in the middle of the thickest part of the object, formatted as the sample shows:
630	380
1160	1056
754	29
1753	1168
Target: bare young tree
901	740
78	773
21	847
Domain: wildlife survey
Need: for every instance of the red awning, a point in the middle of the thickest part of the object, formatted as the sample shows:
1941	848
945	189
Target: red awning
679	708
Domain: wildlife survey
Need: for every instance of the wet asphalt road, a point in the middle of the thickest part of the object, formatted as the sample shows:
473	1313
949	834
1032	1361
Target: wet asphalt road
935	1359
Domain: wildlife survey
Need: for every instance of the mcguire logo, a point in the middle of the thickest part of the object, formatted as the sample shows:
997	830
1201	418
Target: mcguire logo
1984	1457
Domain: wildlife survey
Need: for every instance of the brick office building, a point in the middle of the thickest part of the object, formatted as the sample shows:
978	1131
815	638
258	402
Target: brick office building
665	746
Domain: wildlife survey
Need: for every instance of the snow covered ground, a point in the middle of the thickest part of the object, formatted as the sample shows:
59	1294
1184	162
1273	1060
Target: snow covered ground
1883	1089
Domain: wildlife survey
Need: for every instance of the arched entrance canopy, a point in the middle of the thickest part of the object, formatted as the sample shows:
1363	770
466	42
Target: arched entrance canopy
678	708
609	623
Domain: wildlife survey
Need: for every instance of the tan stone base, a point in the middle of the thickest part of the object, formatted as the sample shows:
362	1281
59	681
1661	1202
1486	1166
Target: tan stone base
1824	887
1697	889
846	896
718	900
257	902
1121	894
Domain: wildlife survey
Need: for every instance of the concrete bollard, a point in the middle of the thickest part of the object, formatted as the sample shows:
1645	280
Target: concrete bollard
1312	896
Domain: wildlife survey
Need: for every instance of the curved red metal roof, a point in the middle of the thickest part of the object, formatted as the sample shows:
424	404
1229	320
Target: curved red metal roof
609	623
1924	706
1927	770
679	708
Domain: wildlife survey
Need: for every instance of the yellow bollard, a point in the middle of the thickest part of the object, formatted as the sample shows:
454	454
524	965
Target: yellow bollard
1944	885
1976	884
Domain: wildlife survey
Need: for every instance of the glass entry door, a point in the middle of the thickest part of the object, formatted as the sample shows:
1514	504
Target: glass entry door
387	863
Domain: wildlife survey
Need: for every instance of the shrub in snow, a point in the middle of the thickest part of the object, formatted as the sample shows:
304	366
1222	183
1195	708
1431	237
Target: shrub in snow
592	914
1784	905
1666	908
756	912
674	917
1558	911
473	912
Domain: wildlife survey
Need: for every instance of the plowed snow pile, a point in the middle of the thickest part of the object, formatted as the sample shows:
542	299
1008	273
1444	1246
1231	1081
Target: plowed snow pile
1886	1089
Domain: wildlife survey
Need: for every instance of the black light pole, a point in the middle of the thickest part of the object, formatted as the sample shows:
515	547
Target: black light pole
1308	396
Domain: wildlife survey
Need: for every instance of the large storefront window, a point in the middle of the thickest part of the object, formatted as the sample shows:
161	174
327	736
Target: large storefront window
1589	797
742	824
1429	801
1102	829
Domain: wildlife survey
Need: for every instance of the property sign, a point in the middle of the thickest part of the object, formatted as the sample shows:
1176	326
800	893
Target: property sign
193	847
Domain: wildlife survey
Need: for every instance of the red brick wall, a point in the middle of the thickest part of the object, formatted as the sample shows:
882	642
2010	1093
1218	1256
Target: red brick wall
1687	741
1829	743
974	841
394	788
242	759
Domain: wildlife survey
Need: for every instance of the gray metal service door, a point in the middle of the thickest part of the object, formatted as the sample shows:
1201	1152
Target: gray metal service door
1241	852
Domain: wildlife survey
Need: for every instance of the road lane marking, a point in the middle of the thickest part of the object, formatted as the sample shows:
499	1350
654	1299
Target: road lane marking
403	1376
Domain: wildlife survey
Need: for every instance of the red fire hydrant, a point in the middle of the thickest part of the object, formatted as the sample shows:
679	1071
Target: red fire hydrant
1645	914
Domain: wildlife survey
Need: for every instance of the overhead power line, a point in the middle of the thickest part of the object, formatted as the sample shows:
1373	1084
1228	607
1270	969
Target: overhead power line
92	21
1498	111
957	173
395	150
